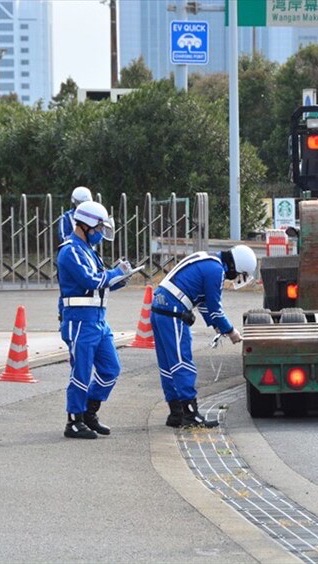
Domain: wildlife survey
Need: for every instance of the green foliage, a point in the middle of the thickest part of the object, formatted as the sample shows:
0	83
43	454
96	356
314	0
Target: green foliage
253	172
136	74
9	98
257	93
211	86
67	94
153	140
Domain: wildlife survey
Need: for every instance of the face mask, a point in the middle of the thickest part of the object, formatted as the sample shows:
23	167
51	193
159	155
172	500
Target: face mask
94	238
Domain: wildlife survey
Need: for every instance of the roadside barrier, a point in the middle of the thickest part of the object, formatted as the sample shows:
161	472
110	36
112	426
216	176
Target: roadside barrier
17	368
276	243
147	236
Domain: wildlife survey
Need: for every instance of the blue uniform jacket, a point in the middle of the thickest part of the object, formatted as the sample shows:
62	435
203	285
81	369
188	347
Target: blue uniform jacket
202	282
66	225
80	273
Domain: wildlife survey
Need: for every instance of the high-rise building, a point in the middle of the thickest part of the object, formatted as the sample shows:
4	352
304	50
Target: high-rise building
144	30
26	50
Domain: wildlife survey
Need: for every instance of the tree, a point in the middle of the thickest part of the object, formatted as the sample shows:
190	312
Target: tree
12	97
212	86
160	141
136	74
67	93
155	140
257	93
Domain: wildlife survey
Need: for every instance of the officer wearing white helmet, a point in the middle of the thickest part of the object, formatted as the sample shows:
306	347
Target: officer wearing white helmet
66	222
84	285
197	281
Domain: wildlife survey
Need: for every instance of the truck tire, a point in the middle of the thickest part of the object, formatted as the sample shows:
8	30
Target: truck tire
259	317
292	315
259	405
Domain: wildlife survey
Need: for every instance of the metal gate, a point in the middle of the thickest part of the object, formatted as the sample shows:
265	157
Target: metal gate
156	236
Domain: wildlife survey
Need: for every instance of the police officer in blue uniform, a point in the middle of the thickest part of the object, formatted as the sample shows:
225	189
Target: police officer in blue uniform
66	222
197	281
84	286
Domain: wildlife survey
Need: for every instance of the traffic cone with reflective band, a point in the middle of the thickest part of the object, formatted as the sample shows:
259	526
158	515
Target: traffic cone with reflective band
144	334
17	369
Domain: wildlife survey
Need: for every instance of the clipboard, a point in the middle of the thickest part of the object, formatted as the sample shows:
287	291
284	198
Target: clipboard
124	276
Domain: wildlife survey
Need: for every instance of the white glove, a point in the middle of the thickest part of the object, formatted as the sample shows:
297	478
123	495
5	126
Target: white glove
235	336
124	266
121	272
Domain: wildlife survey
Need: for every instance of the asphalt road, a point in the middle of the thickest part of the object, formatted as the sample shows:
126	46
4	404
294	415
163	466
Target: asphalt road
129	497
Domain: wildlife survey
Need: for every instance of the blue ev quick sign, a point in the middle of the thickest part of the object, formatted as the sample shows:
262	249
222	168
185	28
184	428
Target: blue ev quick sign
189	43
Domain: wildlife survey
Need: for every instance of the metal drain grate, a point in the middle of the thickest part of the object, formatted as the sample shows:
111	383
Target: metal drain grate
214	459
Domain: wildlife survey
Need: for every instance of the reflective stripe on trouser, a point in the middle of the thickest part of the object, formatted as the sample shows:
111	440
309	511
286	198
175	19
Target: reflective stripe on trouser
91	346
173	343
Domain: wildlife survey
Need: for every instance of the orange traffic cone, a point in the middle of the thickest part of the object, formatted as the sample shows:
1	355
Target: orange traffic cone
144	335
17	369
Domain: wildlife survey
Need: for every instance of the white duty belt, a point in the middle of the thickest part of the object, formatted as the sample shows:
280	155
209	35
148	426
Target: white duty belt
95	301
177	293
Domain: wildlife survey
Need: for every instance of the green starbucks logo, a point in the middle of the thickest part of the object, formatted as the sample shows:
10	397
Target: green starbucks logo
285	209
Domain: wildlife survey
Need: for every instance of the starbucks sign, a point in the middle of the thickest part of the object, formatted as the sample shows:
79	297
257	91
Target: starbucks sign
284	213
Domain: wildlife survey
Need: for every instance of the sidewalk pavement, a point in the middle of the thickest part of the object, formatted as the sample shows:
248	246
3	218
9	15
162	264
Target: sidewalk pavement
45	345
48	348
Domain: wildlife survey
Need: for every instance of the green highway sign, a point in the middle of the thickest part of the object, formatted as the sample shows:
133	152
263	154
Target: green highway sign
260	13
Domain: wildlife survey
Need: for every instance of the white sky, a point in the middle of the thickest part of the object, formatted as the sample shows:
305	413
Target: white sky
81	43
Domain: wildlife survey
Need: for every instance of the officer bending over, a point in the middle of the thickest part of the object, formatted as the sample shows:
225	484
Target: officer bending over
84	286
197	281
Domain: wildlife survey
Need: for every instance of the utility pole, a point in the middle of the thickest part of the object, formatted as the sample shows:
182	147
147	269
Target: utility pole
253	41
181	71
113	41
235	183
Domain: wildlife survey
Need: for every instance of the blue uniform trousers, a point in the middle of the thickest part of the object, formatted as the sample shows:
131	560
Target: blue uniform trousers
94	362
173	341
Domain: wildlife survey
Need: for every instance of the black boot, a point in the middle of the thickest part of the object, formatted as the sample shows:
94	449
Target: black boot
91	419
192	417
76	428
175	418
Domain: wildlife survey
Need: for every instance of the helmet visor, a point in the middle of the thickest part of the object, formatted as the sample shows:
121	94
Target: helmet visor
107	229
242	279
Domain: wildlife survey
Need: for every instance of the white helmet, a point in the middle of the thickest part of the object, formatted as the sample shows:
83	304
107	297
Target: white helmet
94	214
245	264
244	259
81	194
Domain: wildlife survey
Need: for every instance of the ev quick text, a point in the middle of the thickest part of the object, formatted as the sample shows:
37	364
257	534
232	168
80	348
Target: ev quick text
190	27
